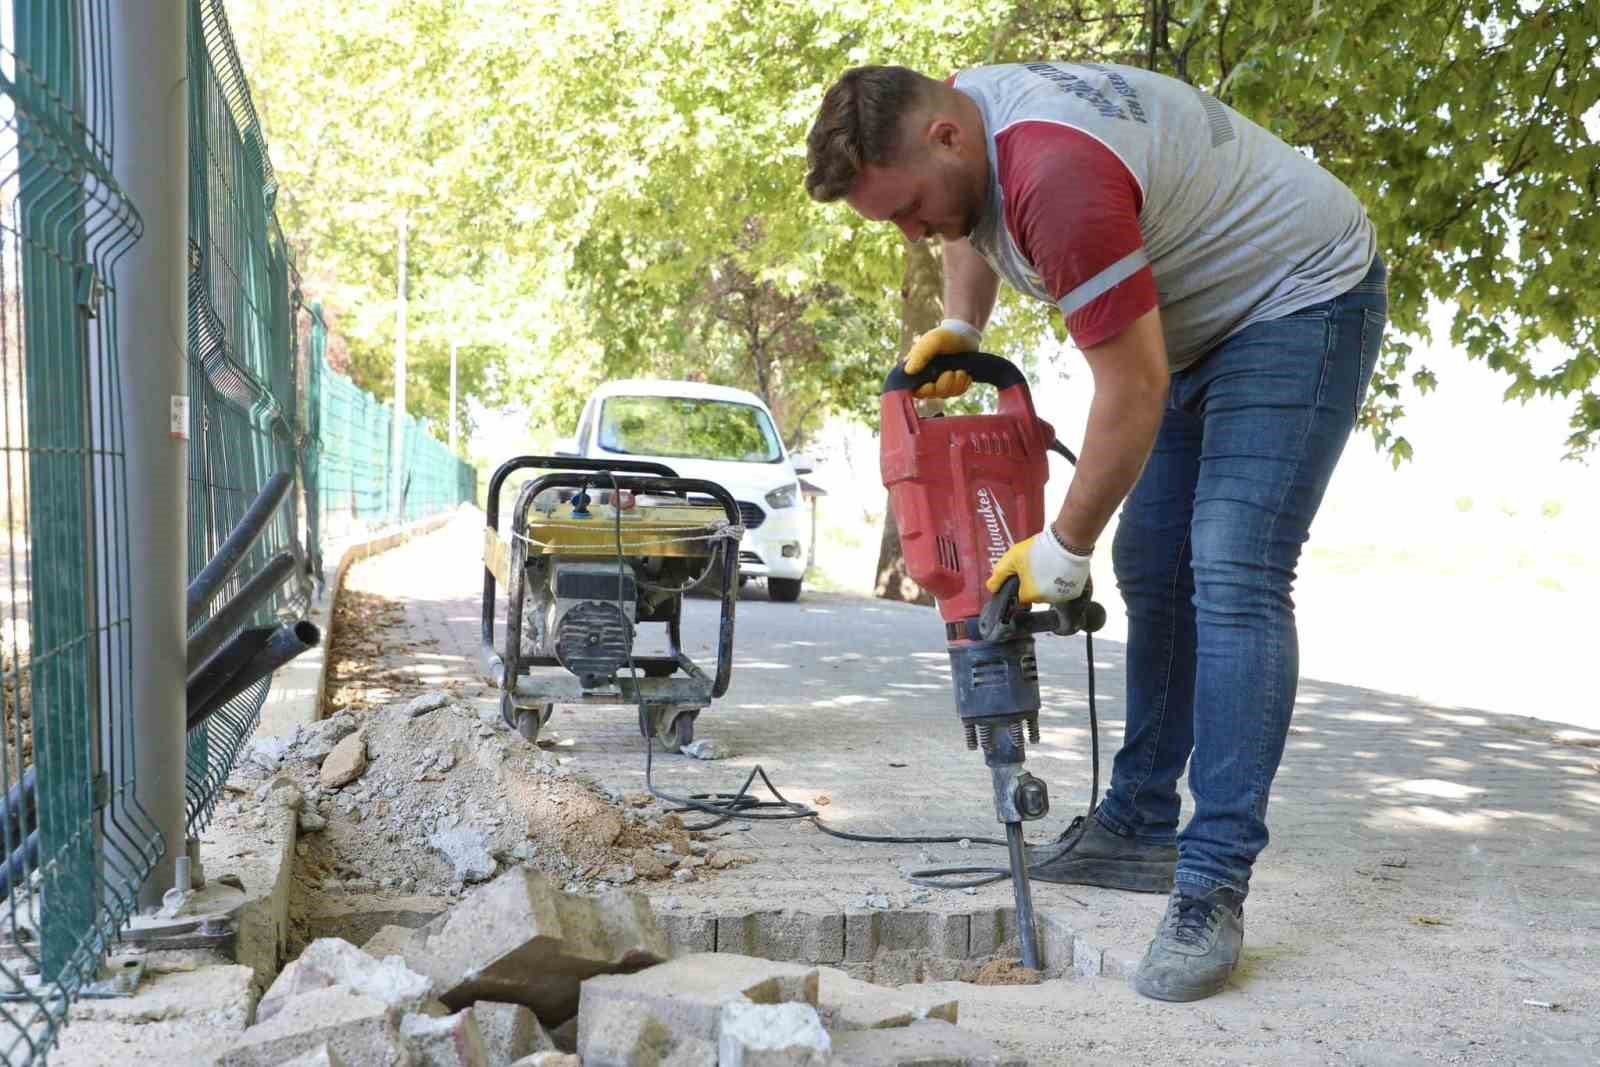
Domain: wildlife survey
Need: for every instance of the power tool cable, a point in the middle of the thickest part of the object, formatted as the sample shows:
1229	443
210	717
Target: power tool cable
741	805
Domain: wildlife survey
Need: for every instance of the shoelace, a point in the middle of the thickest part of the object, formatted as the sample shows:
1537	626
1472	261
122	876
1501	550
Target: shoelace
1072	828
1190	919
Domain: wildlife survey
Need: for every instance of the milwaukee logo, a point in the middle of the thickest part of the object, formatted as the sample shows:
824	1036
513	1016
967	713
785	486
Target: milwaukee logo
994	524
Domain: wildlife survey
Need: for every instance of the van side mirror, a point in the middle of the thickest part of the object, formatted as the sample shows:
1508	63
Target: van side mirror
566	446
803	463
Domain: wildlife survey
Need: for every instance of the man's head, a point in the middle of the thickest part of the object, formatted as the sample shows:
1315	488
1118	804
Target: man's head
900	147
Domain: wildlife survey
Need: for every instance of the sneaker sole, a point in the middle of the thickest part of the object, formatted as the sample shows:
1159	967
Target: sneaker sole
1179	994
1152	876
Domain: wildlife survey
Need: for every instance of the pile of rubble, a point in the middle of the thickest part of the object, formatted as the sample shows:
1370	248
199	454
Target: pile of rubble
520	973
429	797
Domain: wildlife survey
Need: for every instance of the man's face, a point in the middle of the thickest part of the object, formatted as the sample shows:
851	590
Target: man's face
932	193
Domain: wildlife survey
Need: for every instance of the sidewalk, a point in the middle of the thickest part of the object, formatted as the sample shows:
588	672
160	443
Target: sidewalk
1433	870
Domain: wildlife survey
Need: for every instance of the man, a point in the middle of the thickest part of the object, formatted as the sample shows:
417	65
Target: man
1227	295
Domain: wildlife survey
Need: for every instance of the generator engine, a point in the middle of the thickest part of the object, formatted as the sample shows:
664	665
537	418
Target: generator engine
583	614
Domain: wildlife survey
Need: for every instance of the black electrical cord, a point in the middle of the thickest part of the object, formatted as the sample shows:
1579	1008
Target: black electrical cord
725	807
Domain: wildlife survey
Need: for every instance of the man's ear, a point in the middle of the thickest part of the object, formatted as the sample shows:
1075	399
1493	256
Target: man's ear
943	132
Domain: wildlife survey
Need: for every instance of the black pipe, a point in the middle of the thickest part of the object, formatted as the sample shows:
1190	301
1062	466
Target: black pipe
237	546
232	615
20	865
287	642
20	813
220	668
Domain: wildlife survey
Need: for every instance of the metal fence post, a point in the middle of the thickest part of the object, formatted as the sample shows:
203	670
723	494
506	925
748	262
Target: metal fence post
150	104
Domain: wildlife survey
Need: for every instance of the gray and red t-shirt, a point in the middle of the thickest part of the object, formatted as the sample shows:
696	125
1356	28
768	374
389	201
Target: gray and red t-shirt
1113	190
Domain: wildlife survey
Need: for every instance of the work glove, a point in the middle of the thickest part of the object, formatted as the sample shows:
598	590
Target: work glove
949	338
1047	571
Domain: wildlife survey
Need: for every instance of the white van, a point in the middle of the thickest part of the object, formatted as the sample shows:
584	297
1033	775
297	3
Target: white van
723	435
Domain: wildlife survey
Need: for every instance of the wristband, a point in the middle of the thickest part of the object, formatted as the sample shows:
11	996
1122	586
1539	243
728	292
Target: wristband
1070	550
963	329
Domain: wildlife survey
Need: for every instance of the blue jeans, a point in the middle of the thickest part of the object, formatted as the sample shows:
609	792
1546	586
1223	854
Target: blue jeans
1205	557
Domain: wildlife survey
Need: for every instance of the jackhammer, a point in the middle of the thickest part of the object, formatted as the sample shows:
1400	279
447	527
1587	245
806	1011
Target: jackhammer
964	489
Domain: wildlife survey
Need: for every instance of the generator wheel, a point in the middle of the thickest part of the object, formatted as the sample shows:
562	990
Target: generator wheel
674	728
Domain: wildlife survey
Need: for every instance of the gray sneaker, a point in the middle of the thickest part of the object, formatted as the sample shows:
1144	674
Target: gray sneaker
1090	853
1196	948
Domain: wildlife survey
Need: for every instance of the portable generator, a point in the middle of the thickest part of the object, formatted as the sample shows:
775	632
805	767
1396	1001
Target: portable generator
964	489
594	550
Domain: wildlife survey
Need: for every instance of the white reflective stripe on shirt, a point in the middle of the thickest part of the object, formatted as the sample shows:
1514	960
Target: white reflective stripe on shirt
1104	282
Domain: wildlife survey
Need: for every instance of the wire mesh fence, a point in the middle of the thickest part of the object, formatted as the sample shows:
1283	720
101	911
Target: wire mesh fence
77	846
76	843
245	420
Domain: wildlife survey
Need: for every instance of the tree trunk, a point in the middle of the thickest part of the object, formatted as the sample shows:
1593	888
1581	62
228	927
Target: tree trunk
921	307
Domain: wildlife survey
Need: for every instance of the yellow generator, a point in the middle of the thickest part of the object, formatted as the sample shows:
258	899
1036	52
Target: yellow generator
594	550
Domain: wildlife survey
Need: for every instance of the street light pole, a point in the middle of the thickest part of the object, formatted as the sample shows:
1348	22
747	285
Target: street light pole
453	398
397	442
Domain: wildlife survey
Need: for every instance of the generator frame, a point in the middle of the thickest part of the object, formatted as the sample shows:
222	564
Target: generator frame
669	690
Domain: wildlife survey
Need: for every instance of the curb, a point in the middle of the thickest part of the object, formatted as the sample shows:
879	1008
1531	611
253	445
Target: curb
895	947
295	700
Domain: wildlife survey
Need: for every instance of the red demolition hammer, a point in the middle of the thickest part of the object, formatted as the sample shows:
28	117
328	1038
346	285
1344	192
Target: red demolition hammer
964	488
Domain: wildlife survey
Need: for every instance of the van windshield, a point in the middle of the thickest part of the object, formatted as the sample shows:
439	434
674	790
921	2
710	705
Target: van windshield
688	428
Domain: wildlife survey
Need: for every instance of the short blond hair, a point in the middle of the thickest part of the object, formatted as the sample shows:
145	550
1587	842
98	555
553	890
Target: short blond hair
860	122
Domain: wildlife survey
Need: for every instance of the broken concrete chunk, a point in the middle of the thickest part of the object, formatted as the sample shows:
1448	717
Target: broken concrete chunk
682	1000
388	941
427	702
329	961
930	1043
321	1056
451	1041
346	762
549	1059
846	1004
510	1031
521	940
468	852
311	822
216	996
771	1035
359	1030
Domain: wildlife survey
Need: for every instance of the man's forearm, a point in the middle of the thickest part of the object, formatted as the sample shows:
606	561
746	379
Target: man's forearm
1123	421
970	286
1131	380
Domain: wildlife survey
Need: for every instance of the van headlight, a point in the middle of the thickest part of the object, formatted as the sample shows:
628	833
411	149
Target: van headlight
785	496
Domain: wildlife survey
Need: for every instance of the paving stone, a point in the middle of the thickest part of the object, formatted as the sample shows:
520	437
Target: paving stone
1117	962
345	763
329	961
510	1031
847	1004
1057	940
771	1035
1085	958
361	1031
783	934
451	1041
388	941
520	940
868	934
321	1056
991	932
623	1018
688	933
930	1043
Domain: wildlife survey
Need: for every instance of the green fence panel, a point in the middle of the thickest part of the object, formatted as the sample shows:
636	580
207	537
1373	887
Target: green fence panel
243	364
74	844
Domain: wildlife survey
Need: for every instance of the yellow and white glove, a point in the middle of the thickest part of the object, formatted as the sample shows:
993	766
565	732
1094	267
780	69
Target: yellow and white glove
1047	571
951	337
